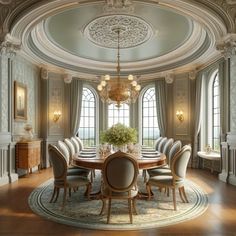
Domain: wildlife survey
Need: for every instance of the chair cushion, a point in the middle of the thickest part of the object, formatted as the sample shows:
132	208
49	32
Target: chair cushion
161	180
159	171
77	171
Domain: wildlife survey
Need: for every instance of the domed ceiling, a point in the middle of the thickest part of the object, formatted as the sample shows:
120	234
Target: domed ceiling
82	39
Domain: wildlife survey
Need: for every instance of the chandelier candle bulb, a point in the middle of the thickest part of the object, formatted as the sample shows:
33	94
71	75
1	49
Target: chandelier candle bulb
130	77
103	83
107	77
134	83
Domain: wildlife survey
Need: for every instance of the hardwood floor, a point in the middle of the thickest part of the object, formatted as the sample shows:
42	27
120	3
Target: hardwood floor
16	218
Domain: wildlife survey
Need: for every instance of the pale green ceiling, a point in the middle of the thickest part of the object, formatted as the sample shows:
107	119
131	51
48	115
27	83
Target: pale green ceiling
171	31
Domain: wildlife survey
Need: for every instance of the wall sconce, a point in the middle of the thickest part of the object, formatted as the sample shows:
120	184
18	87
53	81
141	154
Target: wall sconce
180	115
56	115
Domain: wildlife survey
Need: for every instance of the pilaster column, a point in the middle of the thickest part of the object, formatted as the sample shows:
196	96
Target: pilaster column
8	49
228	49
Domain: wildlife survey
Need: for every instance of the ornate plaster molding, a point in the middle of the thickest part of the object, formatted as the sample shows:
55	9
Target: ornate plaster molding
227	46
192	74
118	6
103	31
10	46
67	78
44	73
169	77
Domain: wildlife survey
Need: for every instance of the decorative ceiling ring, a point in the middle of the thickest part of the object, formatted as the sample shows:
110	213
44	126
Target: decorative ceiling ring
32	17
21	30
133	31
41	41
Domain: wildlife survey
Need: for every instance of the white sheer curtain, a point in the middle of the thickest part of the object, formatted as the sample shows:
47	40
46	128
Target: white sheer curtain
197	116
160	92
75	105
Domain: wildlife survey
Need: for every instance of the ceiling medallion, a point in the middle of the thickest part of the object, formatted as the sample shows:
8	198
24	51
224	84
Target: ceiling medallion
133	31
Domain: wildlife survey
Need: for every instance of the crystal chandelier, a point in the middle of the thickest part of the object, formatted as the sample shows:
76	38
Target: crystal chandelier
118	91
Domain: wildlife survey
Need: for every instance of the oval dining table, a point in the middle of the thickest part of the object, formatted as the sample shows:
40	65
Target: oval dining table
96	162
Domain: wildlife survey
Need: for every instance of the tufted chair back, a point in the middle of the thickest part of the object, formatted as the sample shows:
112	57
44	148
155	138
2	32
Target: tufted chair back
180	162
156	143
81	145
59	164
70	146
76	144
120	172
167	146
173	150
162	144
64	150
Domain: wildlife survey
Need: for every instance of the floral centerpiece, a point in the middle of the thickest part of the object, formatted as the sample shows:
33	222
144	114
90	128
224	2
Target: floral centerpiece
119	135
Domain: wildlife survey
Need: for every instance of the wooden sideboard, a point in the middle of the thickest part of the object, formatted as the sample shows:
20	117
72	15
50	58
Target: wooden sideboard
28	155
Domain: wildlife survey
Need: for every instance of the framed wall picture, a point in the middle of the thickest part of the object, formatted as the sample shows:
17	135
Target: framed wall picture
20	101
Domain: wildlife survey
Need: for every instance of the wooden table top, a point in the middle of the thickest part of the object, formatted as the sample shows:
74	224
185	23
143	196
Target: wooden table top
97	162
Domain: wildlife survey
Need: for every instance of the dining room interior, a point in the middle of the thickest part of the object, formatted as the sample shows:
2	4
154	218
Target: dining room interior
117	116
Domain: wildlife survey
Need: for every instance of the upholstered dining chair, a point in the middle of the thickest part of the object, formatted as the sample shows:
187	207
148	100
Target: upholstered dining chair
162	144
177	178
72	170
76	144
82	148
157	142
165	149
72	149
119	174
61	179
163	170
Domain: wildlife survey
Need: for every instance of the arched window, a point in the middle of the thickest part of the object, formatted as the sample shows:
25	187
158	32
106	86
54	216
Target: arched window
116	115
150	129
216	113
87	119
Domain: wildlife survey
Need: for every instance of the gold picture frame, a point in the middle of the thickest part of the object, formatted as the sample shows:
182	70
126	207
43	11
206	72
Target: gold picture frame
20	101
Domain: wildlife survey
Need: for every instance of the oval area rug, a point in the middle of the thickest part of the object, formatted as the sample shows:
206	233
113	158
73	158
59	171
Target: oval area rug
83	213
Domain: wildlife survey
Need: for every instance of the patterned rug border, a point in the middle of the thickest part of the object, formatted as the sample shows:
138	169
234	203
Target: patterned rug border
198	209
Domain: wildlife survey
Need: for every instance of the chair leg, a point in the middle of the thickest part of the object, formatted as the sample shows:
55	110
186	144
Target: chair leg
57	194
148	187
145	176
134	206
103	206
174	199
89	186
184	194
109	211
130	211
181	194
64	197
53	195
69	192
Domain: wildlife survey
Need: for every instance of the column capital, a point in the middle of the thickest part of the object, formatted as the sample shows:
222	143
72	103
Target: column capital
227	46
10	46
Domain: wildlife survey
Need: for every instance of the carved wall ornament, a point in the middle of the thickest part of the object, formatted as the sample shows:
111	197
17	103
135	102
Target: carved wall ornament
118	6
169	78
103	31
10	46
67	78
227	46
192	74
44	73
